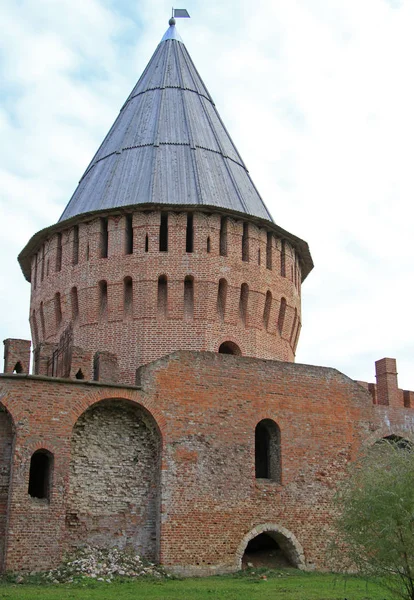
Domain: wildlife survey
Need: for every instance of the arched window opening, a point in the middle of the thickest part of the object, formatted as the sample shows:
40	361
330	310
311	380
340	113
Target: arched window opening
221	299
146	243
281	317
243	304
265	551
267	308
18	368
268	451
128	296
283	259
245	242
189	297
79	375
58	309
42	321
59	252
229	348
208	245
164	232
40	474
42	273
295	320
75	253
129	235
223	236
74	303
269	250
103	299
162	296
398	442
104	238
189	236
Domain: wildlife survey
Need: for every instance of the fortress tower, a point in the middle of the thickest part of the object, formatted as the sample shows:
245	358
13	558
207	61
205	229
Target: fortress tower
166	243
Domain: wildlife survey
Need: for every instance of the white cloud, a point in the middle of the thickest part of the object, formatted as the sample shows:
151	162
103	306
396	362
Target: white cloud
316	95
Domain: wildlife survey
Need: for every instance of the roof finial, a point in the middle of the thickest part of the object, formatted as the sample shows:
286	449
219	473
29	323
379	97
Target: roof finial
171	21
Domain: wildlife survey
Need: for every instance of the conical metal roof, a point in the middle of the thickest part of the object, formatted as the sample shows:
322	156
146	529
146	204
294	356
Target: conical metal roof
167	146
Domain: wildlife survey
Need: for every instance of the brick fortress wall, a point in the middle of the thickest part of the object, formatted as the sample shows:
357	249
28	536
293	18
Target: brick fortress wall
231	282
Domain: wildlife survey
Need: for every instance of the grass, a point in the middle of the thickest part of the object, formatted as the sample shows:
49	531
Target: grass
248	585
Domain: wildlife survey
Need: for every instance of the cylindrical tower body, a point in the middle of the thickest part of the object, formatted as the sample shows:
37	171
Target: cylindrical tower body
145	283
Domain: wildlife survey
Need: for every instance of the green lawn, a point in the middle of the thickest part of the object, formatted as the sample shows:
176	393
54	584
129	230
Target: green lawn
283	585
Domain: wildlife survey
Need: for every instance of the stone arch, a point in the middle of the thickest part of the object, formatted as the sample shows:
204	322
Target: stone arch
6	454
114	478
229	347
285	539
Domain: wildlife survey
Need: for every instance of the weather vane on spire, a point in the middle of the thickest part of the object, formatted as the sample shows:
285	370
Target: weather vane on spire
178	13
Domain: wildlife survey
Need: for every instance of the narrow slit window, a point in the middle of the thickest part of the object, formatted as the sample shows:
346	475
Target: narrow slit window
59	252
267	309
221	299
75	254
295	318
223	236
74	303
146	243
128	296
259	257
208	245
58	309
189	237
189	298
129	235
245	242
244	299
34	328
35	272
42	321
87	252
103	299
283	259
104	238
281	317
40	474
162	300
18	368
269	250
164	232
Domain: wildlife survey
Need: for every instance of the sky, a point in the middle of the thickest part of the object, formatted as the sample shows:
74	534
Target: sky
318	98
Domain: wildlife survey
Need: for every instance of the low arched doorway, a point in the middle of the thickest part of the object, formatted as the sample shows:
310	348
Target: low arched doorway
6	448
271	546
229	348
114	482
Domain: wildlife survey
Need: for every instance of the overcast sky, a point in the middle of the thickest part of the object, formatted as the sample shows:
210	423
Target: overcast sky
318	98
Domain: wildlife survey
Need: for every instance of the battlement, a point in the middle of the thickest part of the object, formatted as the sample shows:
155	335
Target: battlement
385	392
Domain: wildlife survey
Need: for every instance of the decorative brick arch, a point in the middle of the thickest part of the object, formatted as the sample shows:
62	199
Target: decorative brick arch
384	432
286	540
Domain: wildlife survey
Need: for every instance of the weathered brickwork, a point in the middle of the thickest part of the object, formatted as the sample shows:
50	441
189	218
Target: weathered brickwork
114	479
6	441
169	467
126	319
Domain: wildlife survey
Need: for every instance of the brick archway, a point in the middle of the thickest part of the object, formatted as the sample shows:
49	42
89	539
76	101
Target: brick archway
286	540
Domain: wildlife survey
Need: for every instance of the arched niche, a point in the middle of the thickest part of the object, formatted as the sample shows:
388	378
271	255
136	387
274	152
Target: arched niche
114	485
229	348
270	545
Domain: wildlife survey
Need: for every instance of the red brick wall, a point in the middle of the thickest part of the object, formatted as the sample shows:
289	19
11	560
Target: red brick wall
6	442
206	407
142	334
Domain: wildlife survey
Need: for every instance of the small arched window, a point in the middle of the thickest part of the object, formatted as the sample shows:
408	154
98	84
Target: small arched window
103	299
74	302
281	318
162	300
268	460
18	368
128	296
188	298
40	475
229	348
221	298
58	309
243	304
267	309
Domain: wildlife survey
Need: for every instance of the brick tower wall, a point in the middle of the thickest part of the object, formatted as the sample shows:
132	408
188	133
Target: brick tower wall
103	276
